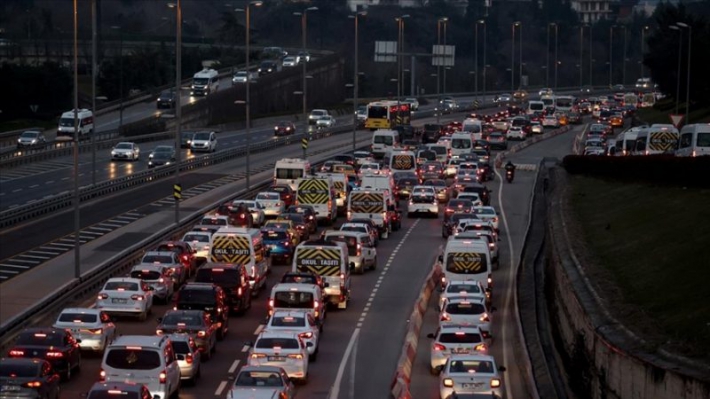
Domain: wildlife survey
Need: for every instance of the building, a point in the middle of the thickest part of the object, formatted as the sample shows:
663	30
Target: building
363	4
591	11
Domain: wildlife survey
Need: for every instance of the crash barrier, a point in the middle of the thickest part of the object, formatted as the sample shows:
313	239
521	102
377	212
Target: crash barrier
527	143
117	265
403	373
604	358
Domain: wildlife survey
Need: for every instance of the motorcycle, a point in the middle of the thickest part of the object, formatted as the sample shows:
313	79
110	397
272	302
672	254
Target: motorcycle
509	175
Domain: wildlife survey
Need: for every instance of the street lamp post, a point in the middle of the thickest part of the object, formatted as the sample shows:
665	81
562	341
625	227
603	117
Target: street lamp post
400	51
512	59
77	220
581	55
304	26
485	66
623	64
439	22
611	54
356	76
591	61
94	71
557	62
680	52
521	55
547	57
178	108
120	77
687	83
475	60
643	48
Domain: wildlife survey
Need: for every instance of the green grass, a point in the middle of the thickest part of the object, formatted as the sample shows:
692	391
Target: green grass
660	112
25	123
657	249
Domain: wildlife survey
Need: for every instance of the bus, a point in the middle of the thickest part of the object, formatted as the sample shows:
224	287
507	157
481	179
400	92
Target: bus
387	115
564	103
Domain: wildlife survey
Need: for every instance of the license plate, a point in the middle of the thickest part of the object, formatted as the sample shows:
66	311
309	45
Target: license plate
460	350
276	358
119	300
471	385
10	388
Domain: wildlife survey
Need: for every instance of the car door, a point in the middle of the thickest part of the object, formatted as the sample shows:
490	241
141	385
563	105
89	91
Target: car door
367	249
108	326
172	368
213	141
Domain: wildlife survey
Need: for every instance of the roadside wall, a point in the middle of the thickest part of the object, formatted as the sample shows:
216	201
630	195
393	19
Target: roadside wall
603	359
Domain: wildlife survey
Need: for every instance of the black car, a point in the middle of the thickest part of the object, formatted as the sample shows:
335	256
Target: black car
233	279
456	206
28	378
57	346
300	222
450	223
498	141
406	132
344	159
240	216
205	296
269	66
308	212
404	187
197	323
161	159
284	128
483	192
432	133
186	139
166	100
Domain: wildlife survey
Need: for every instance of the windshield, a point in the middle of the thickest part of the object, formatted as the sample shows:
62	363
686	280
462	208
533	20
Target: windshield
121	286
268	196
377	111
124	146
206	297
40	339
293	299
258	379
29	135
459	288
288	321
467	308
78	317
351	242
386	140
274	235
471	366
537	106
133	359
461	143
201	136
564	102
422	199
181	318
214	222
196	237
273	343
67	122
218	276
293	174
460	338
438	149
200	81
157	259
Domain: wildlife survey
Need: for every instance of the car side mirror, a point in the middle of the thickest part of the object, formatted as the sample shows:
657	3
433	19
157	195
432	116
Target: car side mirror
441	258
501	368
309	344
352	265
431	335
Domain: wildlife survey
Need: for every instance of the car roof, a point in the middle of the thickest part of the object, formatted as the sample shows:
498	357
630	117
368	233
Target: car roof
81	310
278	334
295	287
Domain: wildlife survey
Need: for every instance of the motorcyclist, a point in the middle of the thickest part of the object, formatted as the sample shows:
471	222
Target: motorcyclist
510	167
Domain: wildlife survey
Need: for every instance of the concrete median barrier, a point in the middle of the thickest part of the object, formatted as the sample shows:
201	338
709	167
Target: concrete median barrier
527	143
403	373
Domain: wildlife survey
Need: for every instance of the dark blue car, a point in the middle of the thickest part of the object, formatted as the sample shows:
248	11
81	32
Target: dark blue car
279	245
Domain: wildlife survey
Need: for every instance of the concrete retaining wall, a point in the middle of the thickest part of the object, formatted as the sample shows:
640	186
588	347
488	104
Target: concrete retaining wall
603	359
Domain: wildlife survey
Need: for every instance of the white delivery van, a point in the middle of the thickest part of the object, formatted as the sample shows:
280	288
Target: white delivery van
656	140
535	106
467	260
330	260
318	192
626	141
383	141
375	204
242	246
289	170
473	126
204	82
461	143
694	140
65	130
340	186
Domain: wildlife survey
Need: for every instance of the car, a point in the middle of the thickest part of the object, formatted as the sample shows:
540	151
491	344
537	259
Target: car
290	61
520	95
574	117
372	227
304	56
126	296
118	389
271	203
158	277
536	127
287	225
279	244
498	141
242	76
31	138
196	323
57	345
185	253
208	297
586	89
257	212
449	340
361	249
204	141
455	288
186	139
284	128
473	197
618	87
308	212
432	133
413	103
28	378
316	114
269	66
515	133
287	194
467	309
487	214
177	273
426	203
91	327
449	105
162	149
362	228
550	121
361	115
283	349
325	121
457	206
236	284
201	242
484	193
161	159
431	170
503	98
166	99
442	190
188	356
404	185
545	91
262	382
472	373
297	321
299	222
125	151
303	277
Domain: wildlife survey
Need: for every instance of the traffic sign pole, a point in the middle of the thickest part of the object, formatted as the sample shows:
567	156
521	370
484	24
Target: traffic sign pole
676	119
177	191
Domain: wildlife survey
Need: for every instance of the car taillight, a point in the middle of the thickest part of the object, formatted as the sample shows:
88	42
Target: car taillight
161	280
239	291
448	382
188	358
137	297
163	377
480	348
16	353
185	257
439	347
490	279
449	210
295	356
32	384
55	354
342	278
158	332
359	250
484	317
445	317
103	296
306	335
257	356
271	303
495	382
102	375
95	331
201	334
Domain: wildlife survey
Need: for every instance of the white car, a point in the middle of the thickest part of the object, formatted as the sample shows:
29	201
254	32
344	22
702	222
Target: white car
325	121
487	214
204	141
257	213
515	133
92	327
550	121
471	374
200	241
454	340
126	296
290	61
453	166
413	103
423	190
536	127
300	322
460	287
425	203
473	197
126	151
281	349
157	276
469	310
369	168
545	91
262	382
316	114
271	203
362	228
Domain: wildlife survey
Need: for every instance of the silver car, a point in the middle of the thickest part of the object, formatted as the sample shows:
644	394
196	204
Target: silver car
157	276
126	151
257	213
262	382
92	327
188	356
178	273
31	138
271	203
470	374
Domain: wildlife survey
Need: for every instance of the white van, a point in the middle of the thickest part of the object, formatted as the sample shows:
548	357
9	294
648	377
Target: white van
330	260
340	186
656	140
204	82
535	106
461	143
242	246
467	260
143	359
474	127
65	130
694	140
361	249
289	170
626	141
290	296
319	193
383	141
441	150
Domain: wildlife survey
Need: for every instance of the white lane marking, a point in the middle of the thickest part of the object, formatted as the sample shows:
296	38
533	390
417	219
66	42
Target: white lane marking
14	266
34	186
17	190
335	391
353	359
234	366
220	388
511	269
245	348
49	182
259	329
65	178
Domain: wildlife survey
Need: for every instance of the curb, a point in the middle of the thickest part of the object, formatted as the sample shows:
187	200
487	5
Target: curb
403	372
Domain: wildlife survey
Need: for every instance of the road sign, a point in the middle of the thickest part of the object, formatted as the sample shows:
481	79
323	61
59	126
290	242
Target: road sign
304	143
443	55
475	104
385	51
676	119
34	108
177	191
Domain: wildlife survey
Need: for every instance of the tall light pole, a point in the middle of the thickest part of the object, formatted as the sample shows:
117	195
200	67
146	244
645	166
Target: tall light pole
581	55
591	61
485	66
400	51
120	78
521	55
94	71
475	57
687	84
77	220
547	57
247	102
623	65
304	26
356	76
643	48
446	23
439	22
680	52
611	54
557	62
178	108
512	56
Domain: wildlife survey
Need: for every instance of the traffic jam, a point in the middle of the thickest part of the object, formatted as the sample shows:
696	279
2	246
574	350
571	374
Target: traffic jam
318	226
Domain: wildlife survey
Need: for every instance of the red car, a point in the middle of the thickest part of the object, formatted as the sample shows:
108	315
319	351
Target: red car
455	126
284	128
184	251
286	193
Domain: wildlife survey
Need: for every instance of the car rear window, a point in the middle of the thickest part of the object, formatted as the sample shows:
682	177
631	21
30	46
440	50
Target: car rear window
113	394
197	296
196	237
351	242
41	339
271	343
422	199
145	274
179	318
293	299
121	286
170	248
458	288
460	338
180	347
274	235
213	222
157	259
19	370
471	366
81	317
288	321
217	276
465	308
133	359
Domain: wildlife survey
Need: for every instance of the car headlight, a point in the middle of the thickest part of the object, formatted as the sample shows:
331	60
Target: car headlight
19	141
34	141
113	152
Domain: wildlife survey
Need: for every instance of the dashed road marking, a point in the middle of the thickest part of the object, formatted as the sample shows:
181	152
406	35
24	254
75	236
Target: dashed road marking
234	366
220	388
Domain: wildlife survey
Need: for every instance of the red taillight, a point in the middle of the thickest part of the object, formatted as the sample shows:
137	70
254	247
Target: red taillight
103	296
201	334
16	353
102	375
239	291
359	250
95	331
480	348
485	317
449	210
439	347
137	297
271	303
185	257
163	377
445	317
32	384
188	358
305	335
55	355
342	277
